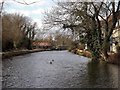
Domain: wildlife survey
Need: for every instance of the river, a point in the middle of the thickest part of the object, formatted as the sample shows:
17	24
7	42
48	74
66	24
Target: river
66	71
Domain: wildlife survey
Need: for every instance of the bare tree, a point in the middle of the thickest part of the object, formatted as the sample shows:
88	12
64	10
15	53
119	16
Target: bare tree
94	22
18	31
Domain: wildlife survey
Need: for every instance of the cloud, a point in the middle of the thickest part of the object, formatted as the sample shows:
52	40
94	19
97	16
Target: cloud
34	11
38	11
39	22
25	13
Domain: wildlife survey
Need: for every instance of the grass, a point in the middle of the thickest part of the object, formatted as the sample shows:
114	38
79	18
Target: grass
81	53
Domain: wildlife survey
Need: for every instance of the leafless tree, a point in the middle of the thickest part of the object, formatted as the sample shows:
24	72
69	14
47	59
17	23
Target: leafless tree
94	22
17	30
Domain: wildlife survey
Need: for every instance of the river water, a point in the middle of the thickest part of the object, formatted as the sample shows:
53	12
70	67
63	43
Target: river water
66	71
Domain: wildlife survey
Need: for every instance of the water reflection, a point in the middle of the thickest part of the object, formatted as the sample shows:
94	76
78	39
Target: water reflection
93	73
102	75
67	71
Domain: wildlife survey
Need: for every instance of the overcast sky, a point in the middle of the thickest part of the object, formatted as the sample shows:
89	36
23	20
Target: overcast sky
34	11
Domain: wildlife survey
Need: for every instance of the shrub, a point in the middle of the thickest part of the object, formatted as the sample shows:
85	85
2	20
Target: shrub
118	48
114	58
81	47
69	49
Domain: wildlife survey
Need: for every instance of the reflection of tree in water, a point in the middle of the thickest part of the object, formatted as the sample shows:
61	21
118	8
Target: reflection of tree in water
93	72
98	75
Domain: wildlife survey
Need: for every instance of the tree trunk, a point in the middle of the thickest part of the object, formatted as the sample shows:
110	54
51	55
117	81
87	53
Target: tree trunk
105	49
105	55
29	44
14	44
0	33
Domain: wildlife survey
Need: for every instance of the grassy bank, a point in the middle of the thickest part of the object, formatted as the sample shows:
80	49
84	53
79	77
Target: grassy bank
113	59
20	52
81	53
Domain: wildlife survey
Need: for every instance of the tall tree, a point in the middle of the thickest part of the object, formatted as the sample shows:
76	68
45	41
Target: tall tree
18	31
93	22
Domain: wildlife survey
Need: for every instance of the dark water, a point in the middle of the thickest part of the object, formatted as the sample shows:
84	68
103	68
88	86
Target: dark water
66	71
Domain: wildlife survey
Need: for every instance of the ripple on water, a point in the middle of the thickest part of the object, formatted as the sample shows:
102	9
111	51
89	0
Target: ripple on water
68	70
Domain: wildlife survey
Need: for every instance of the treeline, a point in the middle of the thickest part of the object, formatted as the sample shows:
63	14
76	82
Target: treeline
18	32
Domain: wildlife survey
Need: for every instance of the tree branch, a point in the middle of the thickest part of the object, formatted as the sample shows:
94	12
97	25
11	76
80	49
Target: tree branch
1	7
118	8
25	3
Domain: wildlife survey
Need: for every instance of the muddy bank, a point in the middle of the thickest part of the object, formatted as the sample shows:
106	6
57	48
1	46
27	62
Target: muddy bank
17	53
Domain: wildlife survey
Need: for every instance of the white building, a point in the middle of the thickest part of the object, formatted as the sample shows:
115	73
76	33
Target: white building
115	37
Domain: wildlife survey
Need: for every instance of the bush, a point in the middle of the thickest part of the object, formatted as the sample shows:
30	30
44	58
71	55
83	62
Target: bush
74	51
69	49
81	47
83	53
118	48
114	58
7	46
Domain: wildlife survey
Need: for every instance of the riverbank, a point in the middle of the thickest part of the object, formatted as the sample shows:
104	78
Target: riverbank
20	52
113	59
81	52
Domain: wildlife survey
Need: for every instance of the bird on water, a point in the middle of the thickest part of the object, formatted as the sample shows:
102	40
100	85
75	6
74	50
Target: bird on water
51	61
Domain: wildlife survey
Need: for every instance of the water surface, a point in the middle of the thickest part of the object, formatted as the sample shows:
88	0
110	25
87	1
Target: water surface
66	71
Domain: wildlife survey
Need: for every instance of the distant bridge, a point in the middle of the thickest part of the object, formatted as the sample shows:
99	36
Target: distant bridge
62	47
